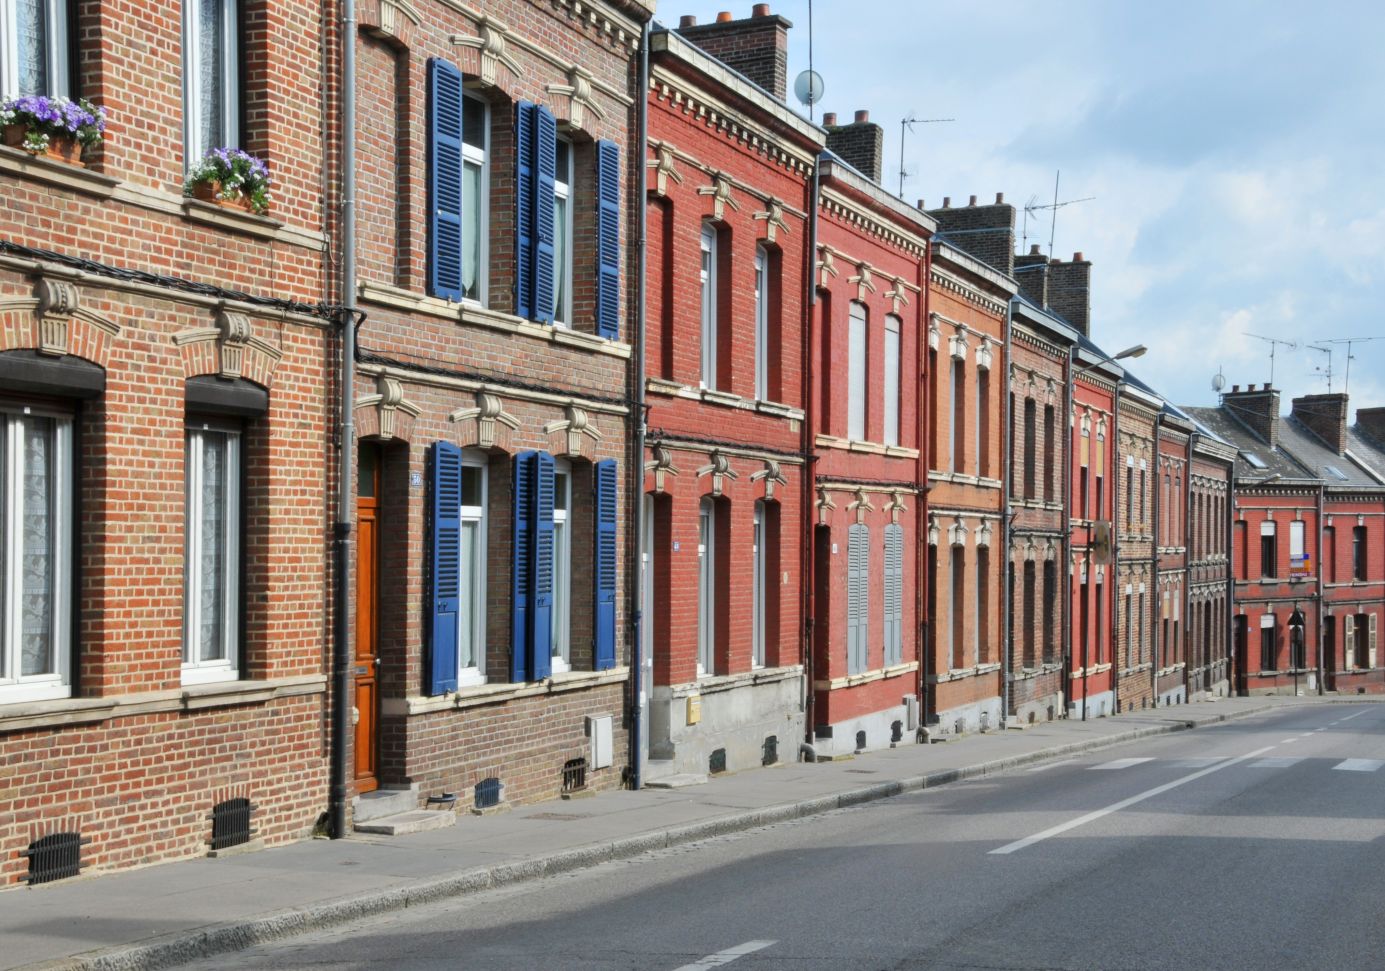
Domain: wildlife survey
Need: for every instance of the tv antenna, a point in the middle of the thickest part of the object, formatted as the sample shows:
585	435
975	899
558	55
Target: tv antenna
907	124
1033	206
1325	371
1348	341
1218	380
1275	343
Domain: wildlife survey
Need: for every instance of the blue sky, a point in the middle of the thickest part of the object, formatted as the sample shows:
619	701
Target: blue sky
1236	151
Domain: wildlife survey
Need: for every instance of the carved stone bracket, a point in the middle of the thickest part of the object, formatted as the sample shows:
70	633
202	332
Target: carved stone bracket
578	91
934	532
896	506
576	425
720	191
957	533
984	354
861	505
661	464
388	401
55	305
773	218
863	280
935	334
490	421
898	294
983	534
229	348
827	266
772	475
719	468
825	505
665	168
957	345
491	47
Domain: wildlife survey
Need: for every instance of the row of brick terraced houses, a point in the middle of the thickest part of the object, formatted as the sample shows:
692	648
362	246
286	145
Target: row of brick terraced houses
610	425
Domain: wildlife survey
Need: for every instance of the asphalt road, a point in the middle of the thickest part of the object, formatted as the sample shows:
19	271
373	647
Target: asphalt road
1255	844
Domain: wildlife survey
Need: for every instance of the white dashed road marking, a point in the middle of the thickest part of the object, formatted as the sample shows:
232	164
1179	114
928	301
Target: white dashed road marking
1051	765
727	956
1121	763
1359	765
1281	762
1357	715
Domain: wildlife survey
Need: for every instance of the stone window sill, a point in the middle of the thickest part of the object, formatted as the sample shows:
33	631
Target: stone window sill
715	683
866	677
501	692
21	164
88	711
868	448
231	220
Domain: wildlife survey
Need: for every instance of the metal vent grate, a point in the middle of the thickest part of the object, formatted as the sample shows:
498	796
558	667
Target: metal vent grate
860	741
771	750
55	856
231	822
896	732
487	793
574	775
717	762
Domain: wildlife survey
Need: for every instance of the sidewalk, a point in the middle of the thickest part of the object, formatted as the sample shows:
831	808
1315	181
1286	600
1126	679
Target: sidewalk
162	915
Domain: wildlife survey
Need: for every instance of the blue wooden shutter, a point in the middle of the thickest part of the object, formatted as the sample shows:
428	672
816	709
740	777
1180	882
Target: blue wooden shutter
545	173
521	581
605	608
444	180
608	240
541	589
445	567
524	209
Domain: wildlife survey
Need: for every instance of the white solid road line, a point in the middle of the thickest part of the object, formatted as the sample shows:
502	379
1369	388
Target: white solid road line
727	956
1124	803
1359	765
1357	715
1121	763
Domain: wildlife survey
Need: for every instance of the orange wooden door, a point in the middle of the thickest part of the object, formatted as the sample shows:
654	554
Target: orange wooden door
367	660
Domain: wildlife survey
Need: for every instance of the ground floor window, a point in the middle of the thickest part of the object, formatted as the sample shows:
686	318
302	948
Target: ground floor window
1268	661
212	538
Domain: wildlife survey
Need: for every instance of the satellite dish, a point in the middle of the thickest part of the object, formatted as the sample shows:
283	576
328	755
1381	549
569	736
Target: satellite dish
1218	381
808	87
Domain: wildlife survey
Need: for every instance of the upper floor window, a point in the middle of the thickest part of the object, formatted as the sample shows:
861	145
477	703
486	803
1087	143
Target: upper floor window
562	235
476	127
1297	550
891	409
708	280
33	48
958	416
211	76
36	488
856	374
1269	550
211	605
761	324
1050	444
1030	443
1358	552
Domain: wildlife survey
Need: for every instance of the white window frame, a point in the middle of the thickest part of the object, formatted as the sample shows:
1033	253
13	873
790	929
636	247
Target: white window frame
708	280
193	121
761	324
562	568
757	540
562	269
15	686
893	343
706	587
196	670
479	158
857	351
471	580
55	44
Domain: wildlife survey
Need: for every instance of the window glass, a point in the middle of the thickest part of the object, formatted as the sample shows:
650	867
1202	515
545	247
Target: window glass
475	197
211	66
709	307
33	47
471	607
562	235
757	539
212	554
891	380
562	568
856	377
761	325
706	615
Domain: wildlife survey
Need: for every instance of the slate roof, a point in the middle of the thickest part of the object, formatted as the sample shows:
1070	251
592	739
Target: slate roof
1313	453
1220	423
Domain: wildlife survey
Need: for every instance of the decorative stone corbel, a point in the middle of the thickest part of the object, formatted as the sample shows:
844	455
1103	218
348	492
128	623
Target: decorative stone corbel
719	468
898	294
957	345
934	533
1050	390
896	506
664	168
957	532
771	475
983	534
491	44
861	505
720	191
935	334
576	424
983	354
392	17
1050	550
233	336
388	401
661	464
578	91
825	505
863	280
827	265
1031	552
488	413
57	303
773	218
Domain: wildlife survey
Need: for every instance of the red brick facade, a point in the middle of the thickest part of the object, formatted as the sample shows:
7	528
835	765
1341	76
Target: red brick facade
1093	580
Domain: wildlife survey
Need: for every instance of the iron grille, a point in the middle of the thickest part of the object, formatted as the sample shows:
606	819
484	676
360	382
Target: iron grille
487	793
231	822
574	775
771	750
717	763
55	856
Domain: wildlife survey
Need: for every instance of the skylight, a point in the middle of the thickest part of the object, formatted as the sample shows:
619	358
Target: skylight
1253	459
1334	471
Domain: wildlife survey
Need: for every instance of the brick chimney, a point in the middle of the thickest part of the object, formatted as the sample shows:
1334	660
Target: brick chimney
1033	282
1257	410
1325	415
756	46
860	144
1070	291
986	232
1371	421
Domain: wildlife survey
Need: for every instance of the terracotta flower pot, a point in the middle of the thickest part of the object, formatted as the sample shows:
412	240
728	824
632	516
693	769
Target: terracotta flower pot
211	192
62	148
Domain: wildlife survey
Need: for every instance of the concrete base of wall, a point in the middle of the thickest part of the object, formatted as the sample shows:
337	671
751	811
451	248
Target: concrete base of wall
1173	696
1041	709
1098	705
978	716
878	727
738	716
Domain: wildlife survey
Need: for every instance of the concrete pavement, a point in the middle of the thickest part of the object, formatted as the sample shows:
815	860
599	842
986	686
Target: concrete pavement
164	915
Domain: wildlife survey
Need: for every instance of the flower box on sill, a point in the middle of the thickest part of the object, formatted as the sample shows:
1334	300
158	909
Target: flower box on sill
54	128
214	193
231	178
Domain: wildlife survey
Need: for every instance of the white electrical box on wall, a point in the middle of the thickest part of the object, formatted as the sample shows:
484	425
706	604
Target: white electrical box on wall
599	730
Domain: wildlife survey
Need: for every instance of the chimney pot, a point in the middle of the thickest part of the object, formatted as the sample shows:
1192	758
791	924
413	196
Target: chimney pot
971	201
862	116
724	17
1000	198
921	205
1077	257
760	10
687	20
947	202
829	119
1235	388
1034	249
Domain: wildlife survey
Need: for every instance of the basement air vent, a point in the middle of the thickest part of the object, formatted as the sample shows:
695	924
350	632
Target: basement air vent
574	775
896	733
717	763
55	856
861	741
770	755
231	823
488	793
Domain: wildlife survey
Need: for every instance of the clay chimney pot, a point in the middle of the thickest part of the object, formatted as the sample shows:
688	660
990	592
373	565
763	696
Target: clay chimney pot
760	10
947	202
971	201
829	118
1034	249
1077	257
862	117
725	17
687	20
1000	198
